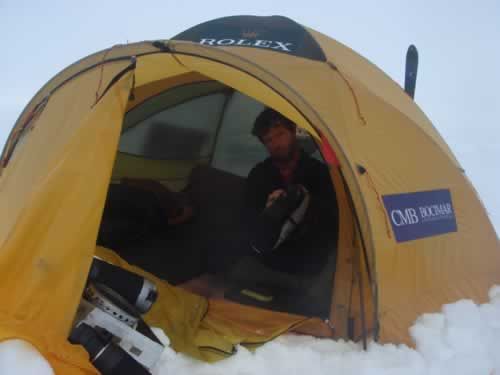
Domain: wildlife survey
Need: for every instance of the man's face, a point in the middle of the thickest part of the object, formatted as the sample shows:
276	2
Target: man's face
280	142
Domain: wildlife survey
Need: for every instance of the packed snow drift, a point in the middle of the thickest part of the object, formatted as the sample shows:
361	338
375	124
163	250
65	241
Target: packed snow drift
464	338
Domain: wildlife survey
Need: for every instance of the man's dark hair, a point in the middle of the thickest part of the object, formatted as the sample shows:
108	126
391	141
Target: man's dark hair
269	118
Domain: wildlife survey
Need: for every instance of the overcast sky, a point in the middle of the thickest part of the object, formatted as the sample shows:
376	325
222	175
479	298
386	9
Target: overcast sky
458	80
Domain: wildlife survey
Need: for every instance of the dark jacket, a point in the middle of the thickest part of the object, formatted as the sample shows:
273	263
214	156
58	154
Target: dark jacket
322	217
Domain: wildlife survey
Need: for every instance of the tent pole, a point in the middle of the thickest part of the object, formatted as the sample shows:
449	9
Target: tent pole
362	301
373	284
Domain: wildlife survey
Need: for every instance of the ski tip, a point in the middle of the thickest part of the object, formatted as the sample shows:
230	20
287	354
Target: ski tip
412	51
411	70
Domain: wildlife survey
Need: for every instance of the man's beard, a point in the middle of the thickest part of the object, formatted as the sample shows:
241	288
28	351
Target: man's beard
288	156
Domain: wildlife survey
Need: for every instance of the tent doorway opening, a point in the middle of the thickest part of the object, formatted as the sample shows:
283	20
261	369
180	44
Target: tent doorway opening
195	140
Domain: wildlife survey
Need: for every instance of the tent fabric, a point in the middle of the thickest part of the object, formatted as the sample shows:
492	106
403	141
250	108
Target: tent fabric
278	33
378	83
63	357
206	329
63	148
372	129
116	53
45	256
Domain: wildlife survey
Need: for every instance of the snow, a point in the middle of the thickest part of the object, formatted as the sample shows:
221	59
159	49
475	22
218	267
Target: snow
18	357
462	339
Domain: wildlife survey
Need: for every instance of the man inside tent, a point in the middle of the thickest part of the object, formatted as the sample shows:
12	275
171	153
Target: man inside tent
290	215
291	206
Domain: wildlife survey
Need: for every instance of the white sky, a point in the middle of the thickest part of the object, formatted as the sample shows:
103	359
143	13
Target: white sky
458	80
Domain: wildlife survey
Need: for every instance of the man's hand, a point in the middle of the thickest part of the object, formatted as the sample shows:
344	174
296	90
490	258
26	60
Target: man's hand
273	196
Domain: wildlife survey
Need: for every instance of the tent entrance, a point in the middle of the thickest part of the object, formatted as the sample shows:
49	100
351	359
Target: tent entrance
195	139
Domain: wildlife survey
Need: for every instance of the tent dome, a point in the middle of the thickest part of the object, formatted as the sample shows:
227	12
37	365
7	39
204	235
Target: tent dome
412	232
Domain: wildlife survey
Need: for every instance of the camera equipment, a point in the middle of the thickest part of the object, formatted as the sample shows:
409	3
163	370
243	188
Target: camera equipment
300	198
137	290
105	355
285	204
108	322
278	221
112	303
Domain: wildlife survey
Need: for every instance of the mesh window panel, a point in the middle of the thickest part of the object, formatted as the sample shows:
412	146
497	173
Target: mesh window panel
184	132
237	150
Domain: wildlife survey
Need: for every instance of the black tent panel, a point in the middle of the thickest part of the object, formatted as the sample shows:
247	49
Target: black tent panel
274	33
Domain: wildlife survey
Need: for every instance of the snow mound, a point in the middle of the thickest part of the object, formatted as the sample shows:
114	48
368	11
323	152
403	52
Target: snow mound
18	357
463	339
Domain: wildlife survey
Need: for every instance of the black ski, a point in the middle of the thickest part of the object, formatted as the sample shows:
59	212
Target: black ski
411	70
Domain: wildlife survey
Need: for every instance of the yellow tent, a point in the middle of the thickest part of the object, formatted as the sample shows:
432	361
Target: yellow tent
412	232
